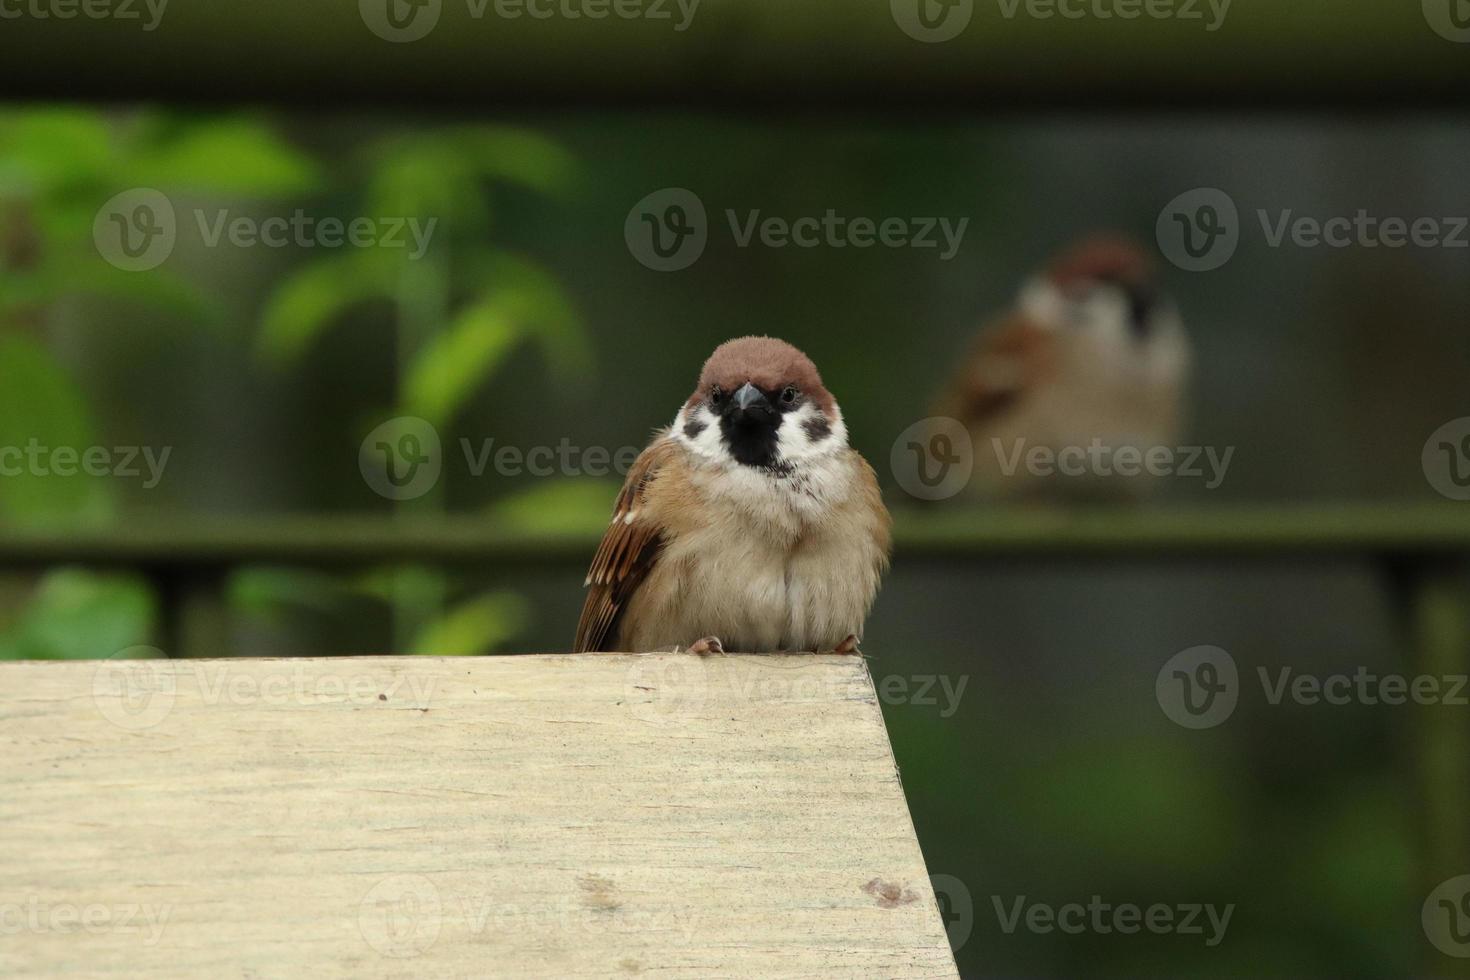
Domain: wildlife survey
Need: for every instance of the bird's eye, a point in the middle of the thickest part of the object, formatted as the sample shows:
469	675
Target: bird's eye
717	394
789	395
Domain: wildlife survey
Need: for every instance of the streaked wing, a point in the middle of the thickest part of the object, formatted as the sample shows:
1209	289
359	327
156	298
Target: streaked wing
1004	365
627	553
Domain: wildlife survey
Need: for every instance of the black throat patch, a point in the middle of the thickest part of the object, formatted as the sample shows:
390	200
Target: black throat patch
751	441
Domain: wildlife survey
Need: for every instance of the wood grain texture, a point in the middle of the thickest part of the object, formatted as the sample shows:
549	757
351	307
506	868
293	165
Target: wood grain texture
555	816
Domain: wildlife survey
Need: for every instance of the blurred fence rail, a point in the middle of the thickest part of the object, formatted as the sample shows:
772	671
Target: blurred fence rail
772	54
1409	533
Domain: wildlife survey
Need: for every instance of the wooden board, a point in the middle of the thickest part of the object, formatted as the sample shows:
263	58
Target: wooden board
555	816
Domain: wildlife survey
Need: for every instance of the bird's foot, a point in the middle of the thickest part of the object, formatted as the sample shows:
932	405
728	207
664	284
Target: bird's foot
708	645
849	645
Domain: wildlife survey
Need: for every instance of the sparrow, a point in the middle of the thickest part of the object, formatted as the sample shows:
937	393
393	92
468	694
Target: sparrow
1093	357
748	524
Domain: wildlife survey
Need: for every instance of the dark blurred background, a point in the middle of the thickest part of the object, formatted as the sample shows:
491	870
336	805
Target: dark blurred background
1053	773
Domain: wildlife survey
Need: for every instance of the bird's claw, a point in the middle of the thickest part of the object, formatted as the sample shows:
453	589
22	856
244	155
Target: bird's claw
849	645
708	645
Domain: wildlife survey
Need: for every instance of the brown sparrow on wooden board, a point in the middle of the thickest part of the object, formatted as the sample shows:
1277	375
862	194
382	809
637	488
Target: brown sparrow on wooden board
1092	359
749	524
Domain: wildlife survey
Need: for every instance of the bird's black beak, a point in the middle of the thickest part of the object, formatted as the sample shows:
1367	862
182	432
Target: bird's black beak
749	402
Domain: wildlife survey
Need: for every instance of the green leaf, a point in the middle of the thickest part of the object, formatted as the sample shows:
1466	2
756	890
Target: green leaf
267	592
518	156
77	615
409	585
534	298
234	156
310	300
51	148
563	506
421	178
42	410
476	626
443	375
62	278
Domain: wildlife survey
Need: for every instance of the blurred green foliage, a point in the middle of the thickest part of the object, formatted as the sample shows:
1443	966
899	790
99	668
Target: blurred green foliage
458	311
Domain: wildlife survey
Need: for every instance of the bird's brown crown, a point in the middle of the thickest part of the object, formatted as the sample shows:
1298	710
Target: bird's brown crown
1103	258
766	362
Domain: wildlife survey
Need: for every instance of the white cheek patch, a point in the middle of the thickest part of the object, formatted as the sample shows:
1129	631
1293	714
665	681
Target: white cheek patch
805	434
698	429
808	434
1043	303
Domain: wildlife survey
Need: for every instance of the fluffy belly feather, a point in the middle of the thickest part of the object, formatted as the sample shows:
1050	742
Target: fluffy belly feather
760	585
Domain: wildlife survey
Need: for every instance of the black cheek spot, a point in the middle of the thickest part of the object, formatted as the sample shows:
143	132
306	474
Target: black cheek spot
817	428
694	428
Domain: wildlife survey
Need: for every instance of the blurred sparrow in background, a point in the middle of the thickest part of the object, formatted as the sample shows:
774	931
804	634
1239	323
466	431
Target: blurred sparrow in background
1092	359
748	524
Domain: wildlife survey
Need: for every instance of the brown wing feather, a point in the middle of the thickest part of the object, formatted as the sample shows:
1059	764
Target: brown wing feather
1005	363
628	550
